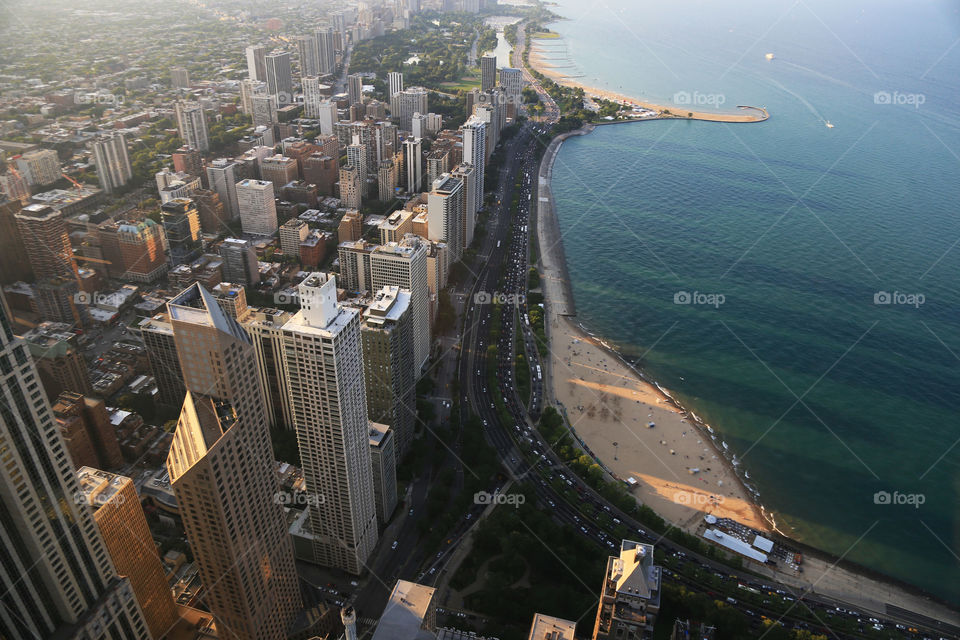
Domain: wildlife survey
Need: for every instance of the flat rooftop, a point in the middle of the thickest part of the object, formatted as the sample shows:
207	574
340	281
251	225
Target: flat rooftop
98	487
405	611
551	628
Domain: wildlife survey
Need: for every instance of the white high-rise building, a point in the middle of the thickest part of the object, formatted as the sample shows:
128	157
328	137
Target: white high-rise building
258	210
467	174
256	64
222	176
406	103
309	55
418	125
39	167
445	214
328	117
404	264
248	89
323	365
57	575
413	159
312	98
327	49
475	153
192	124
113	163
395	82
357	156
512	82
355	88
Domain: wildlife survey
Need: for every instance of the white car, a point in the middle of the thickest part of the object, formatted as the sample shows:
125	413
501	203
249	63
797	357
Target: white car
394	545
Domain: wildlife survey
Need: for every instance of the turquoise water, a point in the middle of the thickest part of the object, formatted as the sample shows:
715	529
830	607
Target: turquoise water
826	396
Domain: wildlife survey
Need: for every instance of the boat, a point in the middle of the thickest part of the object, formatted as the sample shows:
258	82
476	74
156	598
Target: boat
769	56
829	125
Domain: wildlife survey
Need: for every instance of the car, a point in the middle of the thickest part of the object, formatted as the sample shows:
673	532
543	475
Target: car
394	545
433	570
469	515
411	511
440	554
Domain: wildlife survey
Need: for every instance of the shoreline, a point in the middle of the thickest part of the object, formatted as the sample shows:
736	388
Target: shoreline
824	573
676	112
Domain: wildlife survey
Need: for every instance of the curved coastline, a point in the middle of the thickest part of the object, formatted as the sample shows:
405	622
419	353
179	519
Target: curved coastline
826	573
749	113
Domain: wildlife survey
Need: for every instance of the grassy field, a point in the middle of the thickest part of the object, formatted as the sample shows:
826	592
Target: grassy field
545	35
470	80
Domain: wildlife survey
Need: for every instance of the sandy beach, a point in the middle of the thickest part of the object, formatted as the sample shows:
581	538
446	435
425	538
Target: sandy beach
751	114
680	473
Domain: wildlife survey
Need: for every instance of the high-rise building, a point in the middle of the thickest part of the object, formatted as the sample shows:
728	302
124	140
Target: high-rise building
410	612
256	63
14	263
418	125
181	222
355	88
258	209
44	235
351	186
328	117
279	170
213	213
279	78
387	337
59	361
157	334
323	363
240	262
14	187
630	597
113	163
133	249
468	176
354	257
350	227
383	460
544	627
312	97
488	71
512	82
39	167
321	169
309	55
406	103
248	89
222	176
445	214
92	439
265	328
413	163
292	233
386	180
327	50
192	124
475	153
189	161
404	264
221	471
59	581
179	78
395	83
116	509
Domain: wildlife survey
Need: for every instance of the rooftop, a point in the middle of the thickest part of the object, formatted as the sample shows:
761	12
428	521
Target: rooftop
98	487
403	616
551	628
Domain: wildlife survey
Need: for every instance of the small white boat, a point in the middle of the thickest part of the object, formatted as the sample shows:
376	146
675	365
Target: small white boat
769	56
829	125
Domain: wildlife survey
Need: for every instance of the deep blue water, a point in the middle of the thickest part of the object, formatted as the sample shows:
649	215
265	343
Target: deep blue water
826	396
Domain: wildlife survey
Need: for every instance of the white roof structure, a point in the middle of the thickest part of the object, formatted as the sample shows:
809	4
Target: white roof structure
734	544
763	544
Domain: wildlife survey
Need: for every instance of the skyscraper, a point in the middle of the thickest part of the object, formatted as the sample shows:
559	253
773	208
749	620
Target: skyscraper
279	78
351	187
113	163
312	98
44	235
512	82
383	459
157	334
406	103
39	167
328	117
387	338
221	470
327	50
116	509
222	176
630	597
488	71
466	173
181	222
475	153
395	83
404	264
323	363
134	250
256	63
179	78
445	214
58	580
258	209
248	89
355	88
240	263
192	124
413	163
309	55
